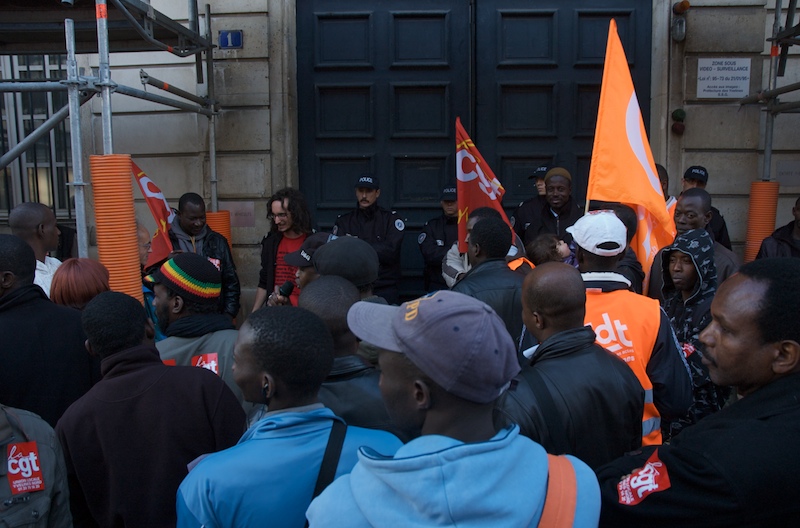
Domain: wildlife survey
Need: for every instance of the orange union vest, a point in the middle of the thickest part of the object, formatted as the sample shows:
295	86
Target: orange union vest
627	324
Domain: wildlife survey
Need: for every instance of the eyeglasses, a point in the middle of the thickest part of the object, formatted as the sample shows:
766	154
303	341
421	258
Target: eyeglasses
282	216
146	246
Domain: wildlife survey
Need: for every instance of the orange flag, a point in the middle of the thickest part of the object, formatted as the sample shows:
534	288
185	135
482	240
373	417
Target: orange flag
161	211
477	185
622	168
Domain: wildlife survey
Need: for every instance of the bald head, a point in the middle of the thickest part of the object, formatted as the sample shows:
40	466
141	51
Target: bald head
556	292
25	217
35	223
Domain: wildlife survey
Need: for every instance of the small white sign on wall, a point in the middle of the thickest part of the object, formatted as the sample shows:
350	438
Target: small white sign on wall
242	213
723	78
787	172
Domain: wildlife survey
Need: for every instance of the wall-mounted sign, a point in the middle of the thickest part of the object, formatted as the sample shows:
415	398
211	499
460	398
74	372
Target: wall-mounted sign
231	39
242	213
787	172
723	78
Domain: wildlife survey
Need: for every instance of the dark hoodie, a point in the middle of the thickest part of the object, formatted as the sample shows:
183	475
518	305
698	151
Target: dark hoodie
688	318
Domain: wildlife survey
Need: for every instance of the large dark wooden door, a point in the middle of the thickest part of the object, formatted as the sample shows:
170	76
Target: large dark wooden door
380	83
538	74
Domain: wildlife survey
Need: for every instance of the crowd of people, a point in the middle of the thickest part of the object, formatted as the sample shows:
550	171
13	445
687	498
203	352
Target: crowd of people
542	381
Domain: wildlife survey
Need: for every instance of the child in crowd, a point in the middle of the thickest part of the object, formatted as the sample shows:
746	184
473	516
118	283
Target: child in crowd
547	247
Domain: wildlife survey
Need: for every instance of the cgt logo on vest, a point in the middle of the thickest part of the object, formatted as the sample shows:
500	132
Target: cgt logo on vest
24	473
612	337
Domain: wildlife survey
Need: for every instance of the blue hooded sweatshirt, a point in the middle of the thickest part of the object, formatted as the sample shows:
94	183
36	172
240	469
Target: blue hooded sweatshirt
268	478
439	481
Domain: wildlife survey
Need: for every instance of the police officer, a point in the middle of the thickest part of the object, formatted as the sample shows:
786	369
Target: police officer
529	210
436	238
381	228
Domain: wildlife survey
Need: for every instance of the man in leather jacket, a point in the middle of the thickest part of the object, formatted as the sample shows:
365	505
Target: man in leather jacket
190	234
490	280
577	398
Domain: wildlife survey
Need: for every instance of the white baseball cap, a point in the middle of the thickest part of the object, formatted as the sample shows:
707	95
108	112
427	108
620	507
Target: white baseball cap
600	228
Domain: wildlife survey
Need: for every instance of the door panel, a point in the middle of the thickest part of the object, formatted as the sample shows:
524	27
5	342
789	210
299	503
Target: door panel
380	84
539	69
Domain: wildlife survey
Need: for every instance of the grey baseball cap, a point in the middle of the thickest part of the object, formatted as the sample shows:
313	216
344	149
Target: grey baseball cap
456	340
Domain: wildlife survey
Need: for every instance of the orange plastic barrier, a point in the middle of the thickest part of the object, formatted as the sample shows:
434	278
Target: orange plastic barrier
117	243
761	217
221	223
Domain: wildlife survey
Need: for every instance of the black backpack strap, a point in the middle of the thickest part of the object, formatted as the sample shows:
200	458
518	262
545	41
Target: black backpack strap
557	432
330	461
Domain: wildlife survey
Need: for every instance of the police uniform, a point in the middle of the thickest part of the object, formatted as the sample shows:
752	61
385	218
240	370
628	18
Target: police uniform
436	238
383	230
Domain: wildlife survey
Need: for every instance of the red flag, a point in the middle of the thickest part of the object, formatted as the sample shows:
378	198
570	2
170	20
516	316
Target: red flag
477	185
162	212
622	168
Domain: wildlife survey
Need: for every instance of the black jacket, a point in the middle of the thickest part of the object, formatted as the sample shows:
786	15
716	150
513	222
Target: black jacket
598	401
215	246
436	238
127	442
351	391
526	213
495	284
269	260
541	219
780	243
630	268
718	228
690	317
383	230
737	467
44	365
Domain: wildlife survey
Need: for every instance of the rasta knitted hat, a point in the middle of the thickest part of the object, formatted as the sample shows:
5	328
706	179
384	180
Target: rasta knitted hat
191	276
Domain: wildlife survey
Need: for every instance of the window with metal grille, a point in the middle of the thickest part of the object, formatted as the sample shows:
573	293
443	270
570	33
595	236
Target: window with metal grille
43	172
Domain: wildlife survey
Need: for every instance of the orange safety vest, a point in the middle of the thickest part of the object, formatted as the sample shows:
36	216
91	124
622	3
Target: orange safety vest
516	263
627	324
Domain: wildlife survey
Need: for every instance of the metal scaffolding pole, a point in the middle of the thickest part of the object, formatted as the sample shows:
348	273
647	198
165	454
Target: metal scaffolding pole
36	135
773	82
141	94
16	86
105	73
73	82
212	118
161	85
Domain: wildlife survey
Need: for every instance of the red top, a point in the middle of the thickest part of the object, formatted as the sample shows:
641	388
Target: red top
285	272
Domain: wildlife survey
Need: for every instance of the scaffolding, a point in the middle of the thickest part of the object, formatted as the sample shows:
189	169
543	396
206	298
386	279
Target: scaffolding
34	26
782	39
